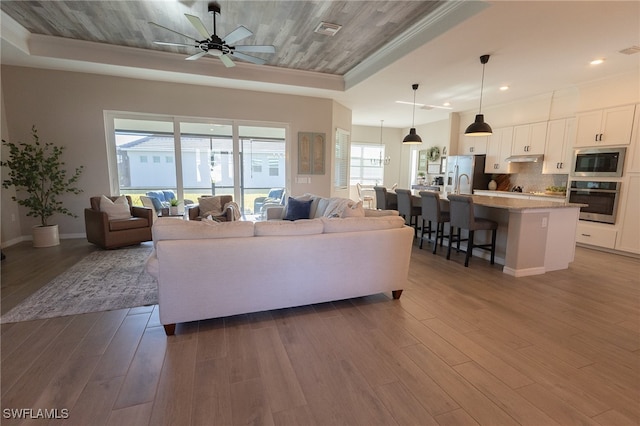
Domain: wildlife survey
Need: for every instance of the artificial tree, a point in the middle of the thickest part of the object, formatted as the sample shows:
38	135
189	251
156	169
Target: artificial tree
37	172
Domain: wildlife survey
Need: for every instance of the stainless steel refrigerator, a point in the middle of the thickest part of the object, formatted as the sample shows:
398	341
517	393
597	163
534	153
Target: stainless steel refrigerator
466	173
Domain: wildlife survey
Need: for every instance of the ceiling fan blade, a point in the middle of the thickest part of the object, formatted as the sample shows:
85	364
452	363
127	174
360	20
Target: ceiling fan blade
226	60
175	32
165	43
198	25
248	58
196	56
237	35
255	49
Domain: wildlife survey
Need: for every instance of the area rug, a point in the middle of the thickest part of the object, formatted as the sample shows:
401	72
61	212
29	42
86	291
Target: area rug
104	280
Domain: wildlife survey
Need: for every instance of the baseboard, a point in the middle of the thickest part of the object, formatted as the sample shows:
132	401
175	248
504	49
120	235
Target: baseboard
23	238
524	272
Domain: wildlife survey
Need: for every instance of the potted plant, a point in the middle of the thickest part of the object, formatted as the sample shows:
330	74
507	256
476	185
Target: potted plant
173	206
39	177
421	177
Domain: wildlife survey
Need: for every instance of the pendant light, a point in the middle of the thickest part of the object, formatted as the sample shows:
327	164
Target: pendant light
479	127
380	161
412	137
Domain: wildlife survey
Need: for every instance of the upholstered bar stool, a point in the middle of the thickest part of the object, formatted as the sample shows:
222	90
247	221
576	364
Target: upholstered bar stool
407	209
383	201
432	213
463	217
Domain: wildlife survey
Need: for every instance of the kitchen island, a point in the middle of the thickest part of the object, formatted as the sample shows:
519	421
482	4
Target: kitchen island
534	236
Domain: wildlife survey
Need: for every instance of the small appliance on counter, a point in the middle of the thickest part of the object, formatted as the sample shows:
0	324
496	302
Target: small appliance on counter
516	189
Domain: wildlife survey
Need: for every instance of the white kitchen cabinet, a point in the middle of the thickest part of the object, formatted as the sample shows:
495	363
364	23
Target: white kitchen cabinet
529	139
628	238
611	126
559	146
632	161
596	234
472	145
498	149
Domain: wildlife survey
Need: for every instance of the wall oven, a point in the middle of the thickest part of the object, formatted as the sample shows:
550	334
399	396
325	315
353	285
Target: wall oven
602	199
598	162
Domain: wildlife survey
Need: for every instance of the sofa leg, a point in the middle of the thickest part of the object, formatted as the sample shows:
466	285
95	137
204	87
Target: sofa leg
170	329
396	294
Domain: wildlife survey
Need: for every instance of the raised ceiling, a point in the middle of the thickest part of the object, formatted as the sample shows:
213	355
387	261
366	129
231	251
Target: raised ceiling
536	47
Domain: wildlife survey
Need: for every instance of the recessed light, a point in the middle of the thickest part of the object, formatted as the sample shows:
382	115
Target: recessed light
327	28
597	61
504	88
446	104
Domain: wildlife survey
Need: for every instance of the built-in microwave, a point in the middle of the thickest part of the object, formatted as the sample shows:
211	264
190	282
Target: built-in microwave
598	162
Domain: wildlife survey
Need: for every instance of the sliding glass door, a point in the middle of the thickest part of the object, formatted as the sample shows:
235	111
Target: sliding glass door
195	157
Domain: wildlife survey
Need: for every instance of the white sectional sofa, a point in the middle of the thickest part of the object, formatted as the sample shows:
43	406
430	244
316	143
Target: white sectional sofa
209	270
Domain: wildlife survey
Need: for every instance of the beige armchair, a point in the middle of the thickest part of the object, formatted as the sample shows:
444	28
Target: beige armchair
226	216
110	234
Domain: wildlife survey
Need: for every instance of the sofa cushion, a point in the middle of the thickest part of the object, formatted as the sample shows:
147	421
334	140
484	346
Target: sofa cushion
210	206
128	223
357	224
118	209
336	206
357	210
376	213
298	227
177	229
297	209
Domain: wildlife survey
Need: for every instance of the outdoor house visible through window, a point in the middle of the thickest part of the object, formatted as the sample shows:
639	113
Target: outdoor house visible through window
194	157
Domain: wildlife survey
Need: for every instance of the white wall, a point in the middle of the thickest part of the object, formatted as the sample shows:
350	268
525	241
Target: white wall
10	230
68	109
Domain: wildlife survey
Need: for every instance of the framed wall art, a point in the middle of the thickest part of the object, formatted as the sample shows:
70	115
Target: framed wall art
311	148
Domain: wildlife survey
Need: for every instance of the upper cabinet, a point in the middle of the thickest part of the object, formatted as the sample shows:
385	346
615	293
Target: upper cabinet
558	148
498	149
611	126
633	153
529	139
472	145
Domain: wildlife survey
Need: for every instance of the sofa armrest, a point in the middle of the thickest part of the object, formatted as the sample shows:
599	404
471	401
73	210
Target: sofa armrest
274	212
96	224
194	212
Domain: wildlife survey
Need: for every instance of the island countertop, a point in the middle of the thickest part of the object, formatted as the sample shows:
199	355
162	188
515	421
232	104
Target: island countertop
521	204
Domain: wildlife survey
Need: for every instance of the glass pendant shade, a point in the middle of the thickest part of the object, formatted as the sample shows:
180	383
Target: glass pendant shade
412	137
479	127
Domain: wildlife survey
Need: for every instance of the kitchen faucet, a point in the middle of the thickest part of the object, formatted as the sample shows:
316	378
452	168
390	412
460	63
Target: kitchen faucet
457	190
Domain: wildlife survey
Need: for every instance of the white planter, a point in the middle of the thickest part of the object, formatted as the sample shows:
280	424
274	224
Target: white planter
45	236
173	211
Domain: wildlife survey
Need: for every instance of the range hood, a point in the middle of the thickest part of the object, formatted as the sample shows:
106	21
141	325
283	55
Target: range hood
525	158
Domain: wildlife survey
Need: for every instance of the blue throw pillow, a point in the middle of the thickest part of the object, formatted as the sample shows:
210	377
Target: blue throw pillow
157	194
297	209
156	204
169	195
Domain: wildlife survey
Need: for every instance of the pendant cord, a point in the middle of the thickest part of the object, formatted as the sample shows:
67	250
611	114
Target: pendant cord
481	89
413	118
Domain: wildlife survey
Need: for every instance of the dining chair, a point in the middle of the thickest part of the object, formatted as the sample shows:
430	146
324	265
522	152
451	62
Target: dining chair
433	213
366	199
462	216
407	209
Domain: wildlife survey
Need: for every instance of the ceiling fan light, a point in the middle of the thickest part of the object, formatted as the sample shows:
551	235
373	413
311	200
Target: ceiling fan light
479	127
412	137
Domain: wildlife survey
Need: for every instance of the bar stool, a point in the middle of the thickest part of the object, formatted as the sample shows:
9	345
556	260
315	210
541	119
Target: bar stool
382	199
463	217
407	209
432	212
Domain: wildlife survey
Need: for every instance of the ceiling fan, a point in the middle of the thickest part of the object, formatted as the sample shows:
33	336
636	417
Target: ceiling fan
219	47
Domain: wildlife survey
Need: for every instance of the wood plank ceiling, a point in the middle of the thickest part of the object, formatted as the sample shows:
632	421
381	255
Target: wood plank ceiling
288	25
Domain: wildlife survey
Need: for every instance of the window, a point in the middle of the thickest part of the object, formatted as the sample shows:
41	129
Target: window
156	159
256	165
168	159
144	159
274	167
366	165
341	177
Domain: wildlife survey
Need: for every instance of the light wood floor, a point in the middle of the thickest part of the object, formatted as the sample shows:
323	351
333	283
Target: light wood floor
462	346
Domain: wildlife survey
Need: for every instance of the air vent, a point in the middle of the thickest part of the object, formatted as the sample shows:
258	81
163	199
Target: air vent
631	50
328	29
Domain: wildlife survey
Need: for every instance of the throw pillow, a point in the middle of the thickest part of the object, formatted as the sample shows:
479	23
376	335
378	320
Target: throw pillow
209	206
355	211
297	209
336	206
118	209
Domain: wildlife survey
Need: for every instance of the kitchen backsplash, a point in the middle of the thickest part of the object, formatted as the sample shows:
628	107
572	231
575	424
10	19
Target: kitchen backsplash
529	176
